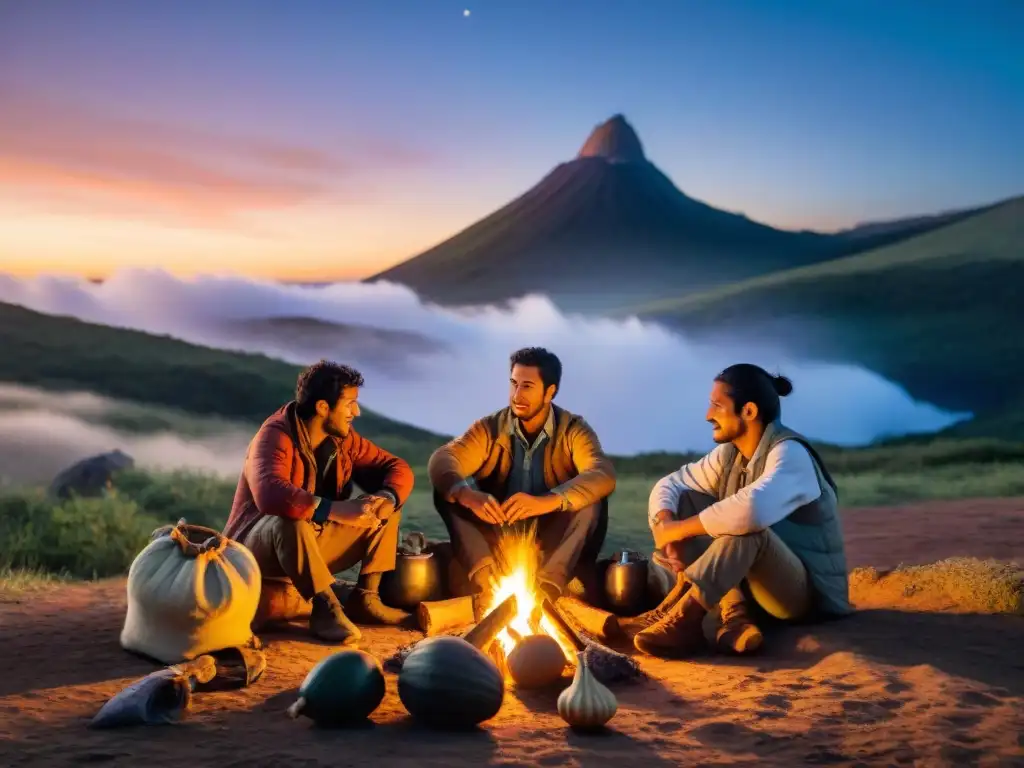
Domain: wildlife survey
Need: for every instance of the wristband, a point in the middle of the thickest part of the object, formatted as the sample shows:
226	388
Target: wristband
321	511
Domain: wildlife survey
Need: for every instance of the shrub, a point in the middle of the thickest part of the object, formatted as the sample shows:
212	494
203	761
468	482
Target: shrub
84	538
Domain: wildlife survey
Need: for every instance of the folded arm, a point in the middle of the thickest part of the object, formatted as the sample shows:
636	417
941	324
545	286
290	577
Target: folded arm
376	470
702	476
788	483
595	477
453	465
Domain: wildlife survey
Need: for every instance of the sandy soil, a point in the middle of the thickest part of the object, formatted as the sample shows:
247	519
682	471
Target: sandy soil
885	687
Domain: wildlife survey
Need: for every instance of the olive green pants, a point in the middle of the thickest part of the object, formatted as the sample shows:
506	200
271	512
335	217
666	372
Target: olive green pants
309	555
720	566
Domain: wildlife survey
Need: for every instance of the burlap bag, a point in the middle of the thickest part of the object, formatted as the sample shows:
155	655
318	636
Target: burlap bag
190	591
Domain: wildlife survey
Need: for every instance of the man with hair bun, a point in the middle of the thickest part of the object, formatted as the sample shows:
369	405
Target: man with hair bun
756	518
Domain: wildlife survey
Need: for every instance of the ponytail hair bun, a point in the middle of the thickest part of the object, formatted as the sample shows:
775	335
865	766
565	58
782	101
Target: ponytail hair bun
782	385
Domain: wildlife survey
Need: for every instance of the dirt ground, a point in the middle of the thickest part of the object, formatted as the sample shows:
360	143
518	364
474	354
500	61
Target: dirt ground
884	687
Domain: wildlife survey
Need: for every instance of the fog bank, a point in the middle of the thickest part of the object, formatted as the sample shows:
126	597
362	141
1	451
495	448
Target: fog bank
642	387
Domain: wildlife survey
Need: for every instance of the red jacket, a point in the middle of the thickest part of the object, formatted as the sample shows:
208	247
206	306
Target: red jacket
278	477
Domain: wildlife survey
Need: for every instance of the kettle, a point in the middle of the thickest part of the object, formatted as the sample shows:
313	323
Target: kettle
625	583
416	578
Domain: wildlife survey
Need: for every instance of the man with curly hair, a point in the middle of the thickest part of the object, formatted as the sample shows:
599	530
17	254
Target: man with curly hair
294	510
530	463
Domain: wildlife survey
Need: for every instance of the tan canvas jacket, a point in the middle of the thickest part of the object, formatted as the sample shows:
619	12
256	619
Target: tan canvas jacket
575	465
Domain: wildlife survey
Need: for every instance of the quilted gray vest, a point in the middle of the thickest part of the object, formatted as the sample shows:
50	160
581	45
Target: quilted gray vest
812	531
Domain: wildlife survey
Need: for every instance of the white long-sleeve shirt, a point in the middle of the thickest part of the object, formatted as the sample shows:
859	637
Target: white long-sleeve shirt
788	482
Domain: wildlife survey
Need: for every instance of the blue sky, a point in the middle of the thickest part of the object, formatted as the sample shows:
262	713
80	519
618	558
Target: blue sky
800	114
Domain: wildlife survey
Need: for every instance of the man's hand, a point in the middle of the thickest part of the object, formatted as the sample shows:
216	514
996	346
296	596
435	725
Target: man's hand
663	516
521	506
677	530
665	533
355	512
381	506
481	504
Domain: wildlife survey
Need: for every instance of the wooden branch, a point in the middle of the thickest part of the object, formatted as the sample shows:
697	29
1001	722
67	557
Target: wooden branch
438	616
600	624
497	654
556	618
490	625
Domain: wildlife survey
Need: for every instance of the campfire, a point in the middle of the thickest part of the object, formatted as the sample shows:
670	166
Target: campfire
518	556
527	635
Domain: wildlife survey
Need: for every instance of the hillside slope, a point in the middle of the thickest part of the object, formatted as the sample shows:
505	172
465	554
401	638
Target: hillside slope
64	353
939	313
607	229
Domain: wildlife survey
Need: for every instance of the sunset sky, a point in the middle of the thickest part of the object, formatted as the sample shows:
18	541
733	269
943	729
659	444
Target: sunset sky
332	138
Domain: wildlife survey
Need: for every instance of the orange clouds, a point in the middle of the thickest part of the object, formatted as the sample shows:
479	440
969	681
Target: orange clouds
55	155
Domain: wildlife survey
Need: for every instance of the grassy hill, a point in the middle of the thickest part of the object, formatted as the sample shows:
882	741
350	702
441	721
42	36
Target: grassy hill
62	353
938	313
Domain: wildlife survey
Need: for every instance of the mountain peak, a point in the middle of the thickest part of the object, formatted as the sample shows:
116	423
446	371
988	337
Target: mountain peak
615	141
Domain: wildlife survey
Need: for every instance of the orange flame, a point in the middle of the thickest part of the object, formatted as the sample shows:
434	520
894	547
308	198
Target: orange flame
518	556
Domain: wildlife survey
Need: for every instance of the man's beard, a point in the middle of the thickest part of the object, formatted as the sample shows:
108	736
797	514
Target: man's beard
533	413
722	437
334	431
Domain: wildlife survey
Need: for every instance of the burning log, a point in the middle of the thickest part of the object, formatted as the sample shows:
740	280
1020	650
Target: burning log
595	622
555	617
607	665
497	654
439	616
483	634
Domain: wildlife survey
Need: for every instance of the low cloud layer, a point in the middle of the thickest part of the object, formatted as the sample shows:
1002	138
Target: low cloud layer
642	387
40	435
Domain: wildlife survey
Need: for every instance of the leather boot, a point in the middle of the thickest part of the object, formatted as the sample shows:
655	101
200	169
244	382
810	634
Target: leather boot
679	634
366	606
327	620
737	633
634	624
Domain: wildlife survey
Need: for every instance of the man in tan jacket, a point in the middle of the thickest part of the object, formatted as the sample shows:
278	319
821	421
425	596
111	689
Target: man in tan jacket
531	461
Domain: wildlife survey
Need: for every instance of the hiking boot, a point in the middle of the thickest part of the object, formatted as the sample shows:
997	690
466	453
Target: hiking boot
366	607
328	621
634	624
737	633
680	633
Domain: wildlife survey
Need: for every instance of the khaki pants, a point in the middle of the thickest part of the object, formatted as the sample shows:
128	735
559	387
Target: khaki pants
718	566
309	555
567	540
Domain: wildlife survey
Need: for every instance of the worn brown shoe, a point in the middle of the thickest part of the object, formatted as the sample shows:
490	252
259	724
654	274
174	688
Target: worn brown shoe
737	633
634	624
328	621
679	634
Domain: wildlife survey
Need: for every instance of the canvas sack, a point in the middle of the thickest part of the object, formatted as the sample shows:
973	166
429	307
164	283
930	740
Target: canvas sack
191	591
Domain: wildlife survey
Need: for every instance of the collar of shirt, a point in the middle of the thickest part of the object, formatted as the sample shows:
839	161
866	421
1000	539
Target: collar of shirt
516	429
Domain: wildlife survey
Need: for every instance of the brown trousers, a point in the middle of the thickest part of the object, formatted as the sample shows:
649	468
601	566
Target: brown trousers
719	566
567	539
309	555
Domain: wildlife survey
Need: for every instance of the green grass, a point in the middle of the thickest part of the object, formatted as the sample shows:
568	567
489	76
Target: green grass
936	313
43	540
16	580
